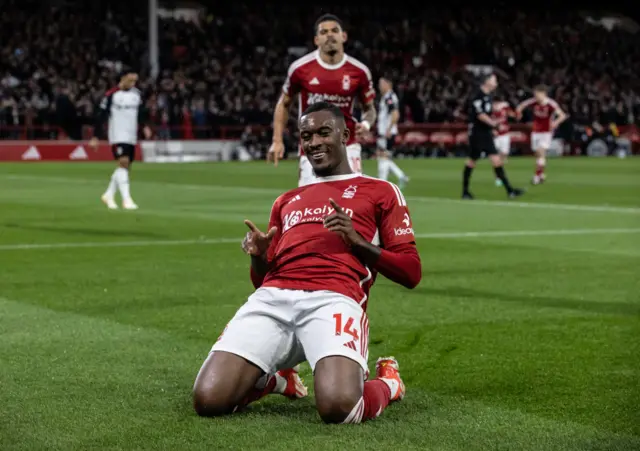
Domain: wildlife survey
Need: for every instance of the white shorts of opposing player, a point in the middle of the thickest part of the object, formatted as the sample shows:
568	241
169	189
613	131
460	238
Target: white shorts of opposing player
306	175
503	144
278	329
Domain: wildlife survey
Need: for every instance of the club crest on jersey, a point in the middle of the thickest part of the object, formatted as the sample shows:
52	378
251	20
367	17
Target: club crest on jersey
350	192
346	82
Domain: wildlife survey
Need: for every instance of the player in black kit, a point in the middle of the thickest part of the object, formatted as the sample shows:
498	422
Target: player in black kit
481	130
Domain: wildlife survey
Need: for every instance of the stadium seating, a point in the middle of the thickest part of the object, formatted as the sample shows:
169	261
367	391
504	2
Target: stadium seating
226	71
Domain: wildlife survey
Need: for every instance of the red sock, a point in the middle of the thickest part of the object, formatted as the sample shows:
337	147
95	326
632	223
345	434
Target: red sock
539	170
256	394
376	398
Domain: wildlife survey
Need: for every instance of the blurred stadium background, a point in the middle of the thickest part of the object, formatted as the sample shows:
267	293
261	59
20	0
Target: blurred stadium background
214	72
523	334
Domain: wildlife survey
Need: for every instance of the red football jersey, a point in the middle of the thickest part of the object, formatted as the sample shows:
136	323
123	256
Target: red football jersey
542	114
500	114
306	256
340	84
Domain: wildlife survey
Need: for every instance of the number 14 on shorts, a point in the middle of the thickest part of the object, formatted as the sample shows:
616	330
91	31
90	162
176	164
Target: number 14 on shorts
354	330
348	326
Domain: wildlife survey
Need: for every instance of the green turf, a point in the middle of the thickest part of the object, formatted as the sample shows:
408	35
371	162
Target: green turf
524	338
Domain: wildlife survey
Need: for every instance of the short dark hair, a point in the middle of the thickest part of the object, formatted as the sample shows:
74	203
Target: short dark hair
324	106
540	88
484	77
123	73
326	18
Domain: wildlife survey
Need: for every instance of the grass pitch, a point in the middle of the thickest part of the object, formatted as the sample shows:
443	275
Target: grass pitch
524	333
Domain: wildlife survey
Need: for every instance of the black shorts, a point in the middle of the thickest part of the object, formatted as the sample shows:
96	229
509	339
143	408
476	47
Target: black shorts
123	150
387	144
480	143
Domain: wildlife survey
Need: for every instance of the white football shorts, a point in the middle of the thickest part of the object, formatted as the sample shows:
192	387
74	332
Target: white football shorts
541	140
503	143
306	175
278	329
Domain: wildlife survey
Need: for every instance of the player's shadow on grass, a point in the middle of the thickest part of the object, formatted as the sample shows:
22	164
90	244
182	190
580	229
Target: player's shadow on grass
270	406
85	231
607	307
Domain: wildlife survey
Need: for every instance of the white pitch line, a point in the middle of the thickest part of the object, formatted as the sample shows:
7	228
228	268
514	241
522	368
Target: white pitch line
542	205
452	235
275	192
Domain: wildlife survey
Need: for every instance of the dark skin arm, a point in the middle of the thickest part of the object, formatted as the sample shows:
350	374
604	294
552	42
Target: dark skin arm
368	115
256	244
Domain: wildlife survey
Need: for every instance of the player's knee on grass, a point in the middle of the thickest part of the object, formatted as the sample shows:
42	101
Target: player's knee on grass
470	163
223	382
339	384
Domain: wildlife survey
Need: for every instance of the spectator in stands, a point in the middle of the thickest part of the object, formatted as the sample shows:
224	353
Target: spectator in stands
56	62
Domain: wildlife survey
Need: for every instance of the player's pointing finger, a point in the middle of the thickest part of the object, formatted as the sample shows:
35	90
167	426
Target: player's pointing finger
335	205
251	226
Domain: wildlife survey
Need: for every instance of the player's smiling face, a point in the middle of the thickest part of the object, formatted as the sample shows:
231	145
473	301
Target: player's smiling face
330	37
323	139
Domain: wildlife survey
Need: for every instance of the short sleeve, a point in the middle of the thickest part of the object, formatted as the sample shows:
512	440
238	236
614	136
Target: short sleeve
366	92
293	83
392	103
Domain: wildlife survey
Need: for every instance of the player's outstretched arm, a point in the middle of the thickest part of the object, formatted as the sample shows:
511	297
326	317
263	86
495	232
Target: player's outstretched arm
399	263
523	106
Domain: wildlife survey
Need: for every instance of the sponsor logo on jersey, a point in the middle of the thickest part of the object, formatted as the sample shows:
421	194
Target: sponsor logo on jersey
309	214
337	100
408	230
125	106
315	81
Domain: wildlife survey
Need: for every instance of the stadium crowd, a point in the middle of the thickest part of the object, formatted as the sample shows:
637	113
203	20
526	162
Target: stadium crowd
227	69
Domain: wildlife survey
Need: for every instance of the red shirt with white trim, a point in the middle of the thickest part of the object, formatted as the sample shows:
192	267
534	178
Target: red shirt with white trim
543	113
304	255
340	84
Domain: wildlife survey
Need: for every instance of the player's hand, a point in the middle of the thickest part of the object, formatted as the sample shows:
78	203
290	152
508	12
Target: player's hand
340	223
93	143
256	243
361	131
276	152
388	134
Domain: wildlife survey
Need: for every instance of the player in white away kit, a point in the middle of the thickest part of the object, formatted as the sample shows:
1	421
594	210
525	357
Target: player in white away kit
122	108
312	271
328	75
547	116
388	116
